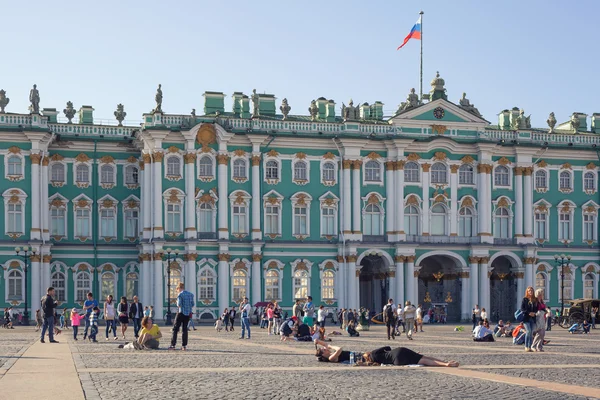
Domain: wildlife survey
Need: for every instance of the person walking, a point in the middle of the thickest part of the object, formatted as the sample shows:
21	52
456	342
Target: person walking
529	307
88	306
109	317
540	322
475	316
152	313
123	315
389	310
48	306
94	324
270	313
245	310
409	317
419	320
321	316
225	319
185	304
136	313
400	319
75	322
232	314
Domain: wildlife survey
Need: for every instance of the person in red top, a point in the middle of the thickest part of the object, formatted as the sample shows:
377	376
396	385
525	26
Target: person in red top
270	312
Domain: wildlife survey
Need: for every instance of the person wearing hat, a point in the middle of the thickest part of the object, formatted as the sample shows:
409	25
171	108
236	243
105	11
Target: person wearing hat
288	328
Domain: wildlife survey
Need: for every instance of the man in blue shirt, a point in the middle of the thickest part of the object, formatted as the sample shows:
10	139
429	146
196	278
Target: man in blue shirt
88	306
185	304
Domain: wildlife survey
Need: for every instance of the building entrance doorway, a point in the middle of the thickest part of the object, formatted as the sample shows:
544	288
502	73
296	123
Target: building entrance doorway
503	290
374	283
440	287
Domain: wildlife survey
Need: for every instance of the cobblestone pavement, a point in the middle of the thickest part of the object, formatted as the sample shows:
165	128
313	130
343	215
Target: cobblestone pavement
219	365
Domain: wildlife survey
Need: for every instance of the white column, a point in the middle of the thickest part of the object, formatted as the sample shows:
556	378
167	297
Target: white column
159	230
36	206
44	200
347	203
159	285
357	304
454	200
223	281
484	284
400	200
340	279
518	206
190	197
488	202
474	280
356	213
45	272
256	276
528	203
353	293
411	287
425	198
481	201
256	198
528	272
392	280
190	274
146	279
464	296
400	296
223	160
520	274
146	193
390	209
36	285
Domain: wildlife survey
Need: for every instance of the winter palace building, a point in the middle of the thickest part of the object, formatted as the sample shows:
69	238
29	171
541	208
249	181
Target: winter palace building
435	204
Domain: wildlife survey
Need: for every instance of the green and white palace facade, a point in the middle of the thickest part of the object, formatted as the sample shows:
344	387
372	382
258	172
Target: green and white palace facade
435	205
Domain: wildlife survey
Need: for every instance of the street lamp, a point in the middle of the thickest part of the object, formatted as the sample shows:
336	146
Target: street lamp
23	253
169	318
560	262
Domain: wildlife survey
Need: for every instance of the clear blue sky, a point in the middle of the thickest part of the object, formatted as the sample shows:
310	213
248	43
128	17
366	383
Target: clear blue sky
539	55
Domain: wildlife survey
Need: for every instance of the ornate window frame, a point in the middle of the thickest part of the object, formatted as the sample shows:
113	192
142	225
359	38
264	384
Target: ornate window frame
104	162
14	151
55	160
132	163
594	269
240	264
209	266
174	196
278	267
590	208
442	201
131	203
566	207
594	181
57	201
211	199
58	267
539	168
272	156
329	201
329	158
82	202
82	160
271	199
414	161
301	265
298	159
236	199
473	172
545	269
468	202
14	196
78	269
325	267
374	198
301	199
108	203
10	266
506	203
173	152
131	267
541	207
210	155
112	269
572	268
239	155
504	163
373	157
446	173
566	168
413	200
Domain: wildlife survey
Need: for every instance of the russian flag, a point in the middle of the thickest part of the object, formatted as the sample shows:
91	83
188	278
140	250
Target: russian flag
415	33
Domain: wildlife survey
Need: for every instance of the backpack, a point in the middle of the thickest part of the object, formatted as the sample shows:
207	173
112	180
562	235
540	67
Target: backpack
389	313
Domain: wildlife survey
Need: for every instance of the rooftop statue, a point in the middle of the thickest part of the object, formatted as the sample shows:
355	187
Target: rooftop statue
120	114
412	101
551	121
313	110
521	121
3	100
574	123
255	111
285	108
193	114
159	99
466	105
350	113
34	99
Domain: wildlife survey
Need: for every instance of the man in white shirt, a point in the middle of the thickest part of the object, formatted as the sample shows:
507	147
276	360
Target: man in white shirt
409	316
482	333
419	320
400	318
245	309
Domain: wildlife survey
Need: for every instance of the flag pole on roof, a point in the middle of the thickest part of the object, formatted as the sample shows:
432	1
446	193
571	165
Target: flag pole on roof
417	33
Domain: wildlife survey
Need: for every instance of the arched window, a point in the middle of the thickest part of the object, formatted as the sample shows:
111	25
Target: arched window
412	172
300	171
540	283
131	285
205	218
15	285
14	165
465	222
438	220
465	174
57	172
175	281
107	174
328	172
82	174
589	181
372	223
541	179
108	285
272	285
59	284
207	286
411	220
173	166
272	169
83	285
565	180
131	175
240	278
501	176
239	168
373	171
501	225
439	173
205	167
300	284
82	222
588	286
328	284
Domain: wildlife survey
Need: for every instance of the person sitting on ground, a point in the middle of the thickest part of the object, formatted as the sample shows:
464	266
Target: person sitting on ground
482	333
382	355
149	337
575	328
352	332
219	324
508	329
288	328
319	334
499	329
586	327
518	334
303	332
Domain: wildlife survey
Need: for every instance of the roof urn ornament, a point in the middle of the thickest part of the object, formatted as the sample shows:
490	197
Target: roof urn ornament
313	110
69	111
551	121
158	98
255	109
34	99
3	100
285	108
120	114
437	88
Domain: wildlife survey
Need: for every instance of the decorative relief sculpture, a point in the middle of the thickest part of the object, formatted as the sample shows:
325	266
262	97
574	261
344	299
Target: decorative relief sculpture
34	99
285	108
3	100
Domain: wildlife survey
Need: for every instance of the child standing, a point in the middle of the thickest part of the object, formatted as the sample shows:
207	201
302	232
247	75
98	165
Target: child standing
219	324
66	315
75	322
62	319
94	324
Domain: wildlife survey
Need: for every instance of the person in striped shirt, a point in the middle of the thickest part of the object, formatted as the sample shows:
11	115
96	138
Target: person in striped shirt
94	324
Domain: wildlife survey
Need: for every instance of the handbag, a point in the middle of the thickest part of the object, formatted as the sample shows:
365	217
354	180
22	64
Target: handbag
519	315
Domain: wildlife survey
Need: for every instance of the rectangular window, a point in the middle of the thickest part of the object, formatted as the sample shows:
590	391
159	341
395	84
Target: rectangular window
173	218
540	226
564	227
239	220
15	220
272	220
107	223
588	227
57	222
82	223
300	227
131	223
588	288
83	174
328	222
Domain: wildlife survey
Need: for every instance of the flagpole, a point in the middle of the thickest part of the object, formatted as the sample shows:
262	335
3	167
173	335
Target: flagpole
421	81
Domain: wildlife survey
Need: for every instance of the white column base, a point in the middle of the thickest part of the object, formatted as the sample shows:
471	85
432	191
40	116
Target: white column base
487	239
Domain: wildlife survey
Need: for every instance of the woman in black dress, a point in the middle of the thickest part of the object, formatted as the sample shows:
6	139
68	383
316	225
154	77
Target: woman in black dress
383	355
123	311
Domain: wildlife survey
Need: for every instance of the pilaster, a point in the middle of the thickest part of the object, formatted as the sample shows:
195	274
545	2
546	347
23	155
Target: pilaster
190	196
454	200
400	200
159	231
390	172
400	295
518	205
256	274
356	206
256	198
528	204
159	281
36	206
146	194
425	179
223	277
474	280
223	211
346	199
